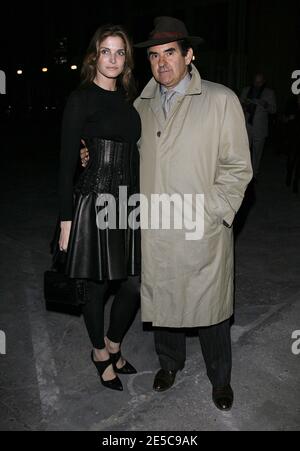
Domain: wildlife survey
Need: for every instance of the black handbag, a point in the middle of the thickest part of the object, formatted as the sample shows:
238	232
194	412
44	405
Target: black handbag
61	290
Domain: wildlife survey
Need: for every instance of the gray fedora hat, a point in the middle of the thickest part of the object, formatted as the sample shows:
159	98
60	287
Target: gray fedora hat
168	29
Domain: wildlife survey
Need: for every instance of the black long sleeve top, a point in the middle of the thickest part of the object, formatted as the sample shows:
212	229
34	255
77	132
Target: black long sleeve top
92	112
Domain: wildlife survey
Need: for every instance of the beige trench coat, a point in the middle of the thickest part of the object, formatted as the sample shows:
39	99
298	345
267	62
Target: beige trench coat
202	148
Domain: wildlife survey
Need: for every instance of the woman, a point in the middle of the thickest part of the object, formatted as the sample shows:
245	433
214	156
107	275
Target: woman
101	113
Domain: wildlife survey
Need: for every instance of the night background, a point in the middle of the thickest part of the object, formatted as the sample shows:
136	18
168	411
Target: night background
46	379
241	38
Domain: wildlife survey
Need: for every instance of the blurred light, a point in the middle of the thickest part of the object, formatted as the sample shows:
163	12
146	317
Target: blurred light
194	58
74	67
44	69
60	60
19	72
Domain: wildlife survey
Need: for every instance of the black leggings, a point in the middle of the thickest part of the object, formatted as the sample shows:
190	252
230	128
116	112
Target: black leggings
123	310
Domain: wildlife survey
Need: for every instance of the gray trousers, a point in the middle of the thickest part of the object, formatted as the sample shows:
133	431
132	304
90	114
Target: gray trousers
257	145
215	342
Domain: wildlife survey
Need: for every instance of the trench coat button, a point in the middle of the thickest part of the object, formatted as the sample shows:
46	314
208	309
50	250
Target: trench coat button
158	134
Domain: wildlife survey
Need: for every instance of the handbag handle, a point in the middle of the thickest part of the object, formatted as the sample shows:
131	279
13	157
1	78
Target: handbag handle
59	260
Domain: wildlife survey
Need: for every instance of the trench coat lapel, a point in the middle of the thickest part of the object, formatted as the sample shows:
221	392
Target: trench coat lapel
194	88
152	93
175	107
156	107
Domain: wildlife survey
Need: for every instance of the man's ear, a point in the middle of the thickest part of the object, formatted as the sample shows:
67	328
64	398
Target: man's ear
189	56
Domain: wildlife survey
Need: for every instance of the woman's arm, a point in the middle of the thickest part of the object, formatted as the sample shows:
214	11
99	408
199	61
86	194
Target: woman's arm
72	125
65	228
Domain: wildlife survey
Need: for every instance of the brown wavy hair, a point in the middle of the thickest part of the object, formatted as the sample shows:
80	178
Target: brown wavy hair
89	65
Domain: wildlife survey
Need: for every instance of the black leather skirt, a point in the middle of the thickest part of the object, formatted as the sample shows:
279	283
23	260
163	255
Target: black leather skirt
93	252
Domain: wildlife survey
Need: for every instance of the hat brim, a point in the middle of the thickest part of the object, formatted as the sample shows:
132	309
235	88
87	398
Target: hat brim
153	42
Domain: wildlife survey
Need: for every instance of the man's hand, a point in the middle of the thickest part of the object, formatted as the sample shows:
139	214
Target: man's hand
65	228
84	155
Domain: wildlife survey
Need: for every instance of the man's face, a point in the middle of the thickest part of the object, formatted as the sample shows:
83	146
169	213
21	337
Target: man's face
259	80
168	65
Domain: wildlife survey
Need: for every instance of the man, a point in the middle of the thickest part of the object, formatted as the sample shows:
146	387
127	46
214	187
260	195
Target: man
194	141
258	102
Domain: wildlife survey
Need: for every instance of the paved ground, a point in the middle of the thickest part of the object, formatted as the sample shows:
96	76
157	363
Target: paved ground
47	381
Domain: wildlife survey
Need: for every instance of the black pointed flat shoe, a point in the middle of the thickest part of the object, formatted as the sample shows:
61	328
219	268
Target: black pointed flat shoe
223	397
114	384
126	369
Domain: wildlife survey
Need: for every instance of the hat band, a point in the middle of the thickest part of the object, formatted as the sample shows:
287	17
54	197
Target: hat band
168	34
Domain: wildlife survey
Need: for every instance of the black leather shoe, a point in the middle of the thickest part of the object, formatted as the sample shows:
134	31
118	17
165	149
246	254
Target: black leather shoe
113	384
126	369
164	380
223	397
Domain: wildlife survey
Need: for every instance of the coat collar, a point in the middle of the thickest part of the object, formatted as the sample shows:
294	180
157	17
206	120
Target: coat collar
152	89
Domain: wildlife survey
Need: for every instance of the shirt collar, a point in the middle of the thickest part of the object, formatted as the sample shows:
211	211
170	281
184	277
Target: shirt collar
152	89
181	88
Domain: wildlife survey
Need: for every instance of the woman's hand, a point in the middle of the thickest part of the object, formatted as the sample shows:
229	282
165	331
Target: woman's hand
65	228
84	155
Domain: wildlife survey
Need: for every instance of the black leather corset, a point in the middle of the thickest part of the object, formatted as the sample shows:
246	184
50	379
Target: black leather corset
107	169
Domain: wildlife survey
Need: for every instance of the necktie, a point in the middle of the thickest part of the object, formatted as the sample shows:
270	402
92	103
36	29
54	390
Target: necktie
168	95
